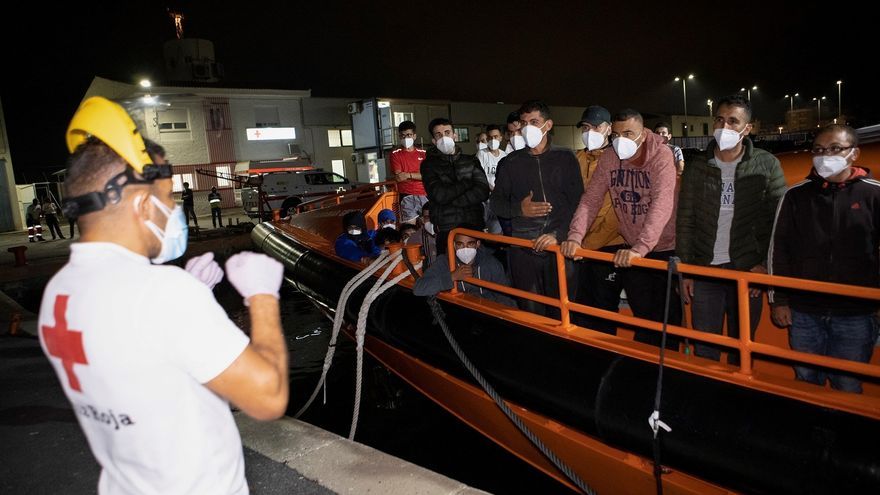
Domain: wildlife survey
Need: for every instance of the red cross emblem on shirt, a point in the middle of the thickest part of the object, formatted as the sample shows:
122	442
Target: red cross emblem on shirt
63	343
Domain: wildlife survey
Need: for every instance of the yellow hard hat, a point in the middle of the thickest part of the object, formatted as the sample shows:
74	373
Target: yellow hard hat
109	122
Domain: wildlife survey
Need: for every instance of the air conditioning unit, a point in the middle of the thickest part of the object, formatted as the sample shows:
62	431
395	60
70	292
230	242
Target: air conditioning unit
354	108
356	158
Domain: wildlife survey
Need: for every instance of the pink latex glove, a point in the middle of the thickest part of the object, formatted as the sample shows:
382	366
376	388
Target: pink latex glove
205	269
252	273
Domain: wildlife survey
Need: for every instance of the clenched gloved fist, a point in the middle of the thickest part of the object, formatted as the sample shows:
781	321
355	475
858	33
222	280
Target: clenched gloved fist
205	269
252	273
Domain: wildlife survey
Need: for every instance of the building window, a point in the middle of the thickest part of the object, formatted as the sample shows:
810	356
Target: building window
403	116
337	138
177	181
266	117
173	120
338	167
223	171
463	134
705	129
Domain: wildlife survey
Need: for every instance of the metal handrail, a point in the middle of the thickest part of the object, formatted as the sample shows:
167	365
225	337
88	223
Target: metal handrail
355	194
743	344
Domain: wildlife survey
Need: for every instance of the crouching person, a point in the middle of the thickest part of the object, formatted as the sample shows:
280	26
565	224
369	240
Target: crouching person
471	260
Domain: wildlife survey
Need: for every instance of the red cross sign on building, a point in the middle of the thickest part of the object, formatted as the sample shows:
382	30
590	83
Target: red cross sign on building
63	343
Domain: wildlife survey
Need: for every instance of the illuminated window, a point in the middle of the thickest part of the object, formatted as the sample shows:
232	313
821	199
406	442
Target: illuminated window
177	181
403	116
337	138
463	134
224	171
173	120
338	167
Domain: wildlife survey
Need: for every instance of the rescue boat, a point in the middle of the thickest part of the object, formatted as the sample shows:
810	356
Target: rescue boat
749	428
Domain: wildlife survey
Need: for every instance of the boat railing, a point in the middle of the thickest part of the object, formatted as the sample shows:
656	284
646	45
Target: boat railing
358	193
748	349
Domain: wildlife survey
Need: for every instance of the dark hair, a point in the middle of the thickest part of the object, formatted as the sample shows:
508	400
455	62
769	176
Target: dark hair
660	125
391	235
90	166
154	149
438	121
493	127
407	226
533	105
628	113
512	117
406	125
426	206
833	128
737	101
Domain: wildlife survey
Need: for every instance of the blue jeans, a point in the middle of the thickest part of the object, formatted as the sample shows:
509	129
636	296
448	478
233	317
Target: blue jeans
713	300
845	337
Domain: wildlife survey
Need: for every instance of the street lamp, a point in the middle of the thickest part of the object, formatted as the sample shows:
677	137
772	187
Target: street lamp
685	98
819	110
145	83
749	91
709	103
791	97
839	100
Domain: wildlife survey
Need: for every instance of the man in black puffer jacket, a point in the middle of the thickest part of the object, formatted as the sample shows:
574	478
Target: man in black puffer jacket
538	188
455	182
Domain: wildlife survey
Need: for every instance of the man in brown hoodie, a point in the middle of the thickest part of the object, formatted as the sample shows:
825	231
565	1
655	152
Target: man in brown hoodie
640	175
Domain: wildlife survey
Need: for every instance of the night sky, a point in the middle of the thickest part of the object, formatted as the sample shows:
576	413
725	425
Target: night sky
618	54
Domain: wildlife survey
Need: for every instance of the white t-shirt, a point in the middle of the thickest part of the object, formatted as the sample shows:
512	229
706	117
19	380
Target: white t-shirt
725	215
138	341
490	164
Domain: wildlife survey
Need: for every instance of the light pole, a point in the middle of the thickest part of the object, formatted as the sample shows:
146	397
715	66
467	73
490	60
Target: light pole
684	94
791	97
819	110
709	103
749	91
839	101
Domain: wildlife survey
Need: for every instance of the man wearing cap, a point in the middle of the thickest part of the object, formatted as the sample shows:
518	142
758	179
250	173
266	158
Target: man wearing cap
214	201
598	285
356	243
146	356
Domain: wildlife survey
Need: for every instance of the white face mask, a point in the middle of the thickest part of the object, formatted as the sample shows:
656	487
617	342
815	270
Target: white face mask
829	166
494	144
446	145
626	147
466	255
389	226
429	228
354	232
533	135
517	143
482	146
593	140
175	234
727	139
408	142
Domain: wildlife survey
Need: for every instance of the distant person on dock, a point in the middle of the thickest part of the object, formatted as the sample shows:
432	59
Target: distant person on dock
33	217
356	243
189	209
827	230
50	213
214	201
471	260
148	359
726	204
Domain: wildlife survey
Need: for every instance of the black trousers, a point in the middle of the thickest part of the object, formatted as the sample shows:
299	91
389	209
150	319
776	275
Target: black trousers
54	228
536	273
216	216
598	286
189	210
646	295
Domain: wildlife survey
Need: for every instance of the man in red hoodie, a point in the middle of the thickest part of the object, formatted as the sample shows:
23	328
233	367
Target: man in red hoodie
640	175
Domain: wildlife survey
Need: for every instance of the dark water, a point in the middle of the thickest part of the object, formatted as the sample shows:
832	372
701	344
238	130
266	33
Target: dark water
394	417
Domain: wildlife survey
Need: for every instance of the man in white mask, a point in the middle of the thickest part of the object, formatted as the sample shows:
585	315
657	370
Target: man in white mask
146	356
664	130
471	260
405	163
538	189
489	159
598	285
639	173
826	230
455	183
726	205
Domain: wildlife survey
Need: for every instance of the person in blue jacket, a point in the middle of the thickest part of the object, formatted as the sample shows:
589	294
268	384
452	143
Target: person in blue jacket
356	242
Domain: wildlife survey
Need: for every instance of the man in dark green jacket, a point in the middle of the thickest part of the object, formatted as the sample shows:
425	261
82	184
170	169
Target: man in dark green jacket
726	205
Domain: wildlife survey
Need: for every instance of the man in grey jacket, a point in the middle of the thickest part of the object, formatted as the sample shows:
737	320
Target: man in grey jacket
472	260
